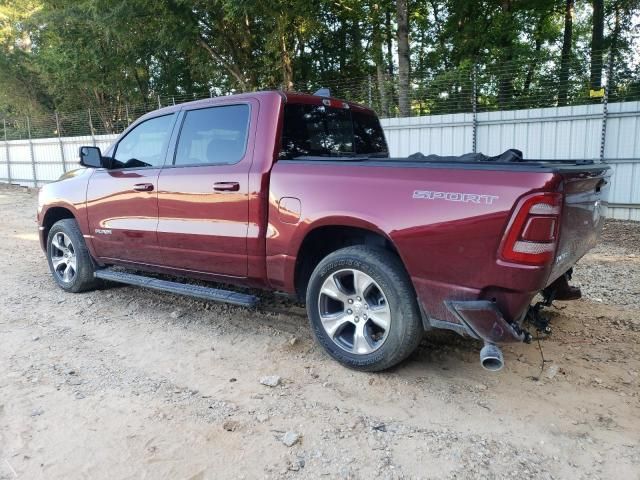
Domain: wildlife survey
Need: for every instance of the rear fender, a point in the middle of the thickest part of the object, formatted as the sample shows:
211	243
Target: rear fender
282	256
332	221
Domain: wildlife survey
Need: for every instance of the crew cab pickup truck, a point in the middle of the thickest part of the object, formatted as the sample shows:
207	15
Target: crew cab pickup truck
297	193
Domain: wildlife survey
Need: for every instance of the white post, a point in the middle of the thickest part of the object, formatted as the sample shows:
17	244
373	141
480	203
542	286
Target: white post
64	164
33	158
93	138
6	144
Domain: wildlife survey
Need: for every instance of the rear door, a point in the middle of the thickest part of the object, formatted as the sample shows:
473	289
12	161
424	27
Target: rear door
122	202
203	192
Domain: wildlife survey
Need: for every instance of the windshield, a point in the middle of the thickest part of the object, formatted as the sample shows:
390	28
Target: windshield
321	131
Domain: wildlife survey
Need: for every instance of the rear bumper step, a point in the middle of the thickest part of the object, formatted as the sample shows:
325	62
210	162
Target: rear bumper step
197	291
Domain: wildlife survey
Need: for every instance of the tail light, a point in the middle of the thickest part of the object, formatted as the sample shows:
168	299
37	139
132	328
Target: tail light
532	233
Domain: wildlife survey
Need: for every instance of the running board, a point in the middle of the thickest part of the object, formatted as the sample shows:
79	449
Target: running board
205	293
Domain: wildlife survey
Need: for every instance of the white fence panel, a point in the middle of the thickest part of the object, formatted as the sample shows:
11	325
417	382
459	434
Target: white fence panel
442	134
47	157
573	132
554	133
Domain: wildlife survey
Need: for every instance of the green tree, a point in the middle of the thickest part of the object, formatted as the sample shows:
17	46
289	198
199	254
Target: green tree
404	56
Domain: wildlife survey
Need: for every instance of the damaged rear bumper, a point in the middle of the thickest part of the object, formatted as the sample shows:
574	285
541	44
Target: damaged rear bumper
483	320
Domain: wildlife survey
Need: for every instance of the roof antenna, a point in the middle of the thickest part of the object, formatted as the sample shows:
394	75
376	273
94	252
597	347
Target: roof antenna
323	92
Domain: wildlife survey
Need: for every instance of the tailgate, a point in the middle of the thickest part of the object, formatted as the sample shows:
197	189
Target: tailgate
583	216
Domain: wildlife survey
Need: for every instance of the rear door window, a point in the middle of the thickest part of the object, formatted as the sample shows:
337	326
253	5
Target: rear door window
213	136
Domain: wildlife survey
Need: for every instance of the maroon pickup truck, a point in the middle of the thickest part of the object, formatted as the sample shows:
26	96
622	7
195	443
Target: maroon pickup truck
297	193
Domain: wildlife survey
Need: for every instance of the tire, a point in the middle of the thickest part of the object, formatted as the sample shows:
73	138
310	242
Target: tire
353	294
69	260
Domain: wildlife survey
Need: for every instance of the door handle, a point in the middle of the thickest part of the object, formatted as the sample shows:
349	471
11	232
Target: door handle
226	186
143	187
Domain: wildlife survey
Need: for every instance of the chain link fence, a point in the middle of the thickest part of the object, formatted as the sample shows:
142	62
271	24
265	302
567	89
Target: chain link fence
473	106
535	82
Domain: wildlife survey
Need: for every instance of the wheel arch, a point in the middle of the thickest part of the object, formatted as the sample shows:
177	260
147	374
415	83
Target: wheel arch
51	216
325	237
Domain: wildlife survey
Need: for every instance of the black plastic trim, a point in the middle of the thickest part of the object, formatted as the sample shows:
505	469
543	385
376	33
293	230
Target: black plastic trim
459	328
545	166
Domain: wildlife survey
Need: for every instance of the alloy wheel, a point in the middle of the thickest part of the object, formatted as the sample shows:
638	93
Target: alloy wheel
63	257
354	311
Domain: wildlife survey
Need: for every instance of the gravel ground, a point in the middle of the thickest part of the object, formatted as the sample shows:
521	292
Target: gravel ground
128	383
611	272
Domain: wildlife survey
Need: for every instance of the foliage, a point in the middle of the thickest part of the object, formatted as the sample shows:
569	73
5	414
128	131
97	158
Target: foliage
109	55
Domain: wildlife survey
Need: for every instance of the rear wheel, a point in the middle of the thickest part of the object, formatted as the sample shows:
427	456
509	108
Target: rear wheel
69	260
363	309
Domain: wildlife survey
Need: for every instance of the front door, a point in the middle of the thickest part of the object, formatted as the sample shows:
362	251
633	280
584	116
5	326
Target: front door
122	202
203	193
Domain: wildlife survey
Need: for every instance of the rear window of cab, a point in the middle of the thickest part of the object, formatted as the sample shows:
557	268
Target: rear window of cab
326	131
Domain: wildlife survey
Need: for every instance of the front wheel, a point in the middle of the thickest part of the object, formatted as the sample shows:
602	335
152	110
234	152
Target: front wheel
69	260
363	309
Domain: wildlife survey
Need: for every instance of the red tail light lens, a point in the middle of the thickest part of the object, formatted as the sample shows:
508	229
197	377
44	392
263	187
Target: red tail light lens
532	233
539	229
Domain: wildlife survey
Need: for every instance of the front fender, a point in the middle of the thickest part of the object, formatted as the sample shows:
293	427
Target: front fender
68	194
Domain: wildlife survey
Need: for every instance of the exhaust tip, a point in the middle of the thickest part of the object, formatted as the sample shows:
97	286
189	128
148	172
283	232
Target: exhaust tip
491	357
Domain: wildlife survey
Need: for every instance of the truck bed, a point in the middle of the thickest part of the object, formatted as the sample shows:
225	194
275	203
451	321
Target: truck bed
448	239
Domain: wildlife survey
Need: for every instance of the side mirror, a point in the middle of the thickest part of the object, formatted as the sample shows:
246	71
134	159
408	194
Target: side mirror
91	157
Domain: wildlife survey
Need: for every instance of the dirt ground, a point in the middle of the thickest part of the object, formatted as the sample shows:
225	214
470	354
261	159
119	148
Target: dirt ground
129	383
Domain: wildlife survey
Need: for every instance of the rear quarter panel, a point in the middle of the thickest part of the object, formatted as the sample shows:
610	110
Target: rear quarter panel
448	247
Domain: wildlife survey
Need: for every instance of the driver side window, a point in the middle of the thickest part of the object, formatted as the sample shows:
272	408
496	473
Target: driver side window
145	145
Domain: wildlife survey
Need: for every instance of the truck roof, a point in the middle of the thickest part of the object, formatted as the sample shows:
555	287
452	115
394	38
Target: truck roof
295	97
289	97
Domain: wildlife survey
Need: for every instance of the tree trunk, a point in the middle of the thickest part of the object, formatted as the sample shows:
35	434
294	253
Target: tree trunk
614	49
378	58
532	66
231	68
442	40
505	85
563	80
342	46
382	89
404	64
597	45
303	70
355	57
287	64
389	42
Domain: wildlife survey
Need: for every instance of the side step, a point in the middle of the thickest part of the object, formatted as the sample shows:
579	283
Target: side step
206	293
